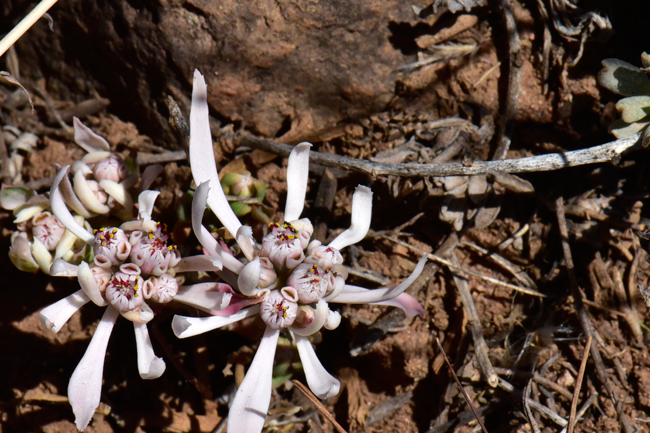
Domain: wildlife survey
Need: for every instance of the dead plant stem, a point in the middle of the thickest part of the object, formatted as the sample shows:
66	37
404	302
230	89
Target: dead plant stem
576	391
608	152
321	408
25	25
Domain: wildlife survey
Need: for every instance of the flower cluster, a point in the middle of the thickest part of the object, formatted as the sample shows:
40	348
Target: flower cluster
289	282
132	265
98	184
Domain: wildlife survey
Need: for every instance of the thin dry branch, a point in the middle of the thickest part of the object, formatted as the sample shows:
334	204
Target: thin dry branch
460	386
25	25
316	402
608	152
576	391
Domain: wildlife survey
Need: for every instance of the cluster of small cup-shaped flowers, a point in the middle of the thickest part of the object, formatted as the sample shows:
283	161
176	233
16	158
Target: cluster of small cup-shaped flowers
132	266
297	274
98	184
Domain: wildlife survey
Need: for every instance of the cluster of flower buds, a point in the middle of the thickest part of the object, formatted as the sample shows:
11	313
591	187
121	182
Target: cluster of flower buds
98	184
40	237
127	268
246	195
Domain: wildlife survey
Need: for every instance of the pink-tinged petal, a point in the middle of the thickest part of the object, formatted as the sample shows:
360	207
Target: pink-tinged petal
297	177
321	383
85	385
202	162
190	326
61	211
249	278
361	215
57	314
149	175
146	200
199	263
407	303
359	295
142	315
71	198
205	296
86	195
89	284
229	261
320	318
87	139
61	268
248	411
149	365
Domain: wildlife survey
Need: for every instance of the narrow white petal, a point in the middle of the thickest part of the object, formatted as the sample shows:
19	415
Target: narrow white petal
190	326
202	162
149	365
199	263
248	411
66	243
249	278
361	215
146	200
244	238
118	192
359	295
407	303
61	211
57	314
86	195
199	202
42	256
203	296
321	383
297	177
89	284
61	268
320	317
28	213
149	175
71	198
85	386
87	139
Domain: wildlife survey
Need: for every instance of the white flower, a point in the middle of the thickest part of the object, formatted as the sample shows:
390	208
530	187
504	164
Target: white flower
294	301
113	282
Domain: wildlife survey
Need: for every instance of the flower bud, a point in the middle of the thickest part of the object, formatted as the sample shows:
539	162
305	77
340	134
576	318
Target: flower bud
277	311
111	245
161	289
124	291
112	168
267	274
47	229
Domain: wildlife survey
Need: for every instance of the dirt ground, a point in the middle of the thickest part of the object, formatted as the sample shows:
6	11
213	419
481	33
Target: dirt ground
506	239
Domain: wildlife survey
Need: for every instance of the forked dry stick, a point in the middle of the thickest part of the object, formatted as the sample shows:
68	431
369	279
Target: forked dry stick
460	386
25	25
608	152
576	391
321	408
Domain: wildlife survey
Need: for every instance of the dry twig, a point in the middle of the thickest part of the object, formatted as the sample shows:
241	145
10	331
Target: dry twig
321	408
609	152
25	24
460	386
576	391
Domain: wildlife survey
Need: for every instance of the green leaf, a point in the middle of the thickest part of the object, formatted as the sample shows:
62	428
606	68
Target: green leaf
623	78
240	208
620	129
634	108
